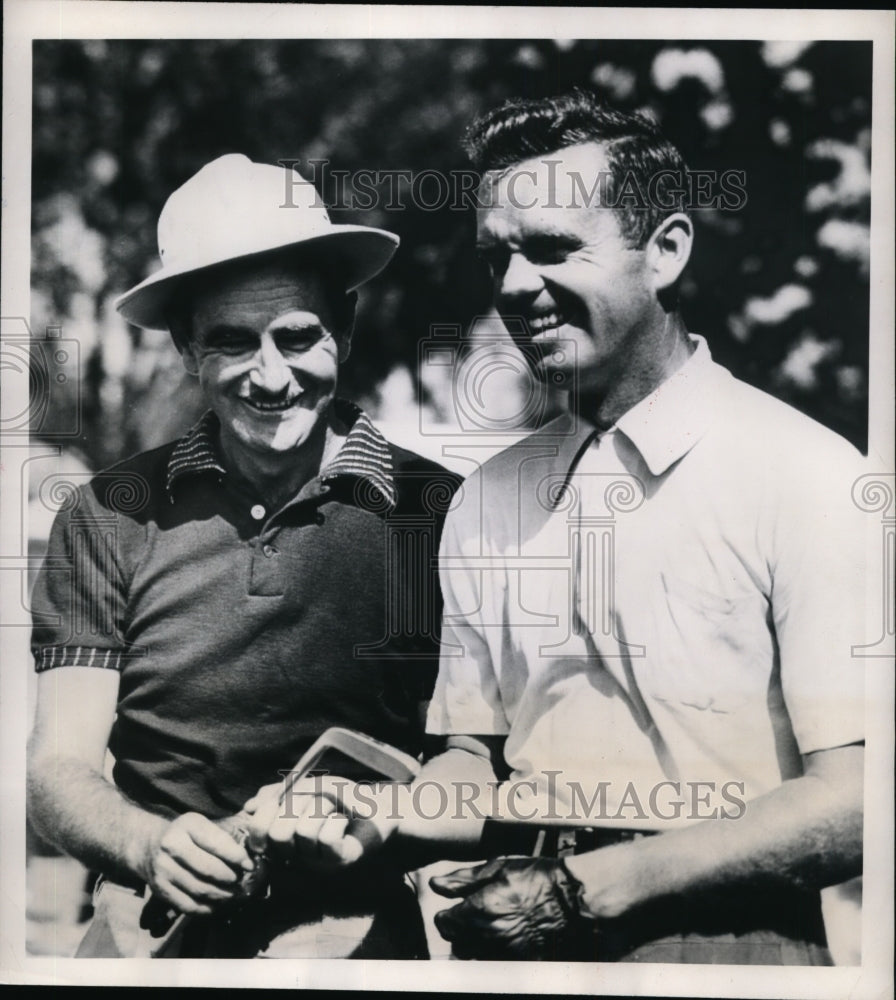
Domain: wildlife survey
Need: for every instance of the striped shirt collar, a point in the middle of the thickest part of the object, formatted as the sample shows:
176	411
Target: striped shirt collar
365	453
196	452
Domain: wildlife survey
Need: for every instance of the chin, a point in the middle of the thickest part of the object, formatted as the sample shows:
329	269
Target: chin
288	435
292	437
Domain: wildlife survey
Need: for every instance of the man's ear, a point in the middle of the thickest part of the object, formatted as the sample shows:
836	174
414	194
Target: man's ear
669	249
347	325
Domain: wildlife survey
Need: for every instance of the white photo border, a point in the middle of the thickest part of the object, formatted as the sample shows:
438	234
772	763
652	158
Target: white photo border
26	20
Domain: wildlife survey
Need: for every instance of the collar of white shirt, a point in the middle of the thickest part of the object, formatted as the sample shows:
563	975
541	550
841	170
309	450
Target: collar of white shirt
663	426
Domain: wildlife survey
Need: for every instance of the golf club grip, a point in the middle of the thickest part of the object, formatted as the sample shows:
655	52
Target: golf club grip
163	922
380	758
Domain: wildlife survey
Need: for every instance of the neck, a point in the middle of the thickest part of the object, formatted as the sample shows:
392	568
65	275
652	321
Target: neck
278	476
650	362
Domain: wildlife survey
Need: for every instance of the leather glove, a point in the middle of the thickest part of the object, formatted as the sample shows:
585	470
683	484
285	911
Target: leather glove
516	908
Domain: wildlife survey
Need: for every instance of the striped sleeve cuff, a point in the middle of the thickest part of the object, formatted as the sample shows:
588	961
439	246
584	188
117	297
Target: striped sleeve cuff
51	657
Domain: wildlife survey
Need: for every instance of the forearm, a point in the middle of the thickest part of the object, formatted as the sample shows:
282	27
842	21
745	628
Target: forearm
807	833
442	813
73	807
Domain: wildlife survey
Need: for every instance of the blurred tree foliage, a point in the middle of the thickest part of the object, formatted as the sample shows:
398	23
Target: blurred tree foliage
780	287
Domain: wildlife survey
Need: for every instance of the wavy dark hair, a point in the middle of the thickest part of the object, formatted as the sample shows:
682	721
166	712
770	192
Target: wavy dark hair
637	152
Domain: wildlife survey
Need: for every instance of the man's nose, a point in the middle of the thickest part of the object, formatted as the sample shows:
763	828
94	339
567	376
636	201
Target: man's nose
270	371
521	279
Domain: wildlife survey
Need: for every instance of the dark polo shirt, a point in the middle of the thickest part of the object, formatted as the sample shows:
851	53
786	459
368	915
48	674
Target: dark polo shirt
242	632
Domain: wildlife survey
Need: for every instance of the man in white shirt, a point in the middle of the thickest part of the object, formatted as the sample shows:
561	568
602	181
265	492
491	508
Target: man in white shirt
649	604
695	544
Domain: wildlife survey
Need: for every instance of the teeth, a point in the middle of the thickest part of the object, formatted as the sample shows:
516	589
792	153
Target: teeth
550	322
272	407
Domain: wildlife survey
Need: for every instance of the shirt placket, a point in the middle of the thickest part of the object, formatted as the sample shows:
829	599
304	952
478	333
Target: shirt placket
267	577
588	553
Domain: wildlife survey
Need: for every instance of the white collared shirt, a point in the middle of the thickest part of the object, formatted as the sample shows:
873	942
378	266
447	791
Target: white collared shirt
671	601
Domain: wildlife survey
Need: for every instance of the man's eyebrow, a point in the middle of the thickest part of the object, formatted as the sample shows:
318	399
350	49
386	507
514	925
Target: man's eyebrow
301	323
552	239
534	241
221	331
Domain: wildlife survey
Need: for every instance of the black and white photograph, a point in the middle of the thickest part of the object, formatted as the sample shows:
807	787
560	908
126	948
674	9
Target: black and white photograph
448	498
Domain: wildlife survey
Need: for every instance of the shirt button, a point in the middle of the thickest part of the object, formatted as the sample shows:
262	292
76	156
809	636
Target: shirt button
268	550
257	512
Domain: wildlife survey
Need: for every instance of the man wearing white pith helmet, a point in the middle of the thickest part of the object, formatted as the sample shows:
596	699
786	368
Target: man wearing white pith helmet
222	600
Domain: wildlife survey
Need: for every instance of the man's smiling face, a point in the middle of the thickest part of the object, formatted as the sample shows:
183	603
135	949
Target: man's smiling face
563	267
266	349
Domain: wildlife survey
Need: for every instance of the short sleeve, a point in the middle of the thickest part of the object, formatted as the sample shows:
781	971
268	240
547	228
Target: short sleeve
467	697
821	579
79	598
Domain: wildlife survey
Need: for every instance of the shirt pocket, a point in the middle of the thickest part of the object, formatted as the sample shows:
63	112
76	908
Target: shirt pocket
713	650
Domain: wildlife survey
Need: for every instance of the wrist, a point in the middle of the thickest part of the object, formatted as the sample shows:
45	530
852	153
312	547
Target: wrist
141	844
426	815
575	892
607	879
